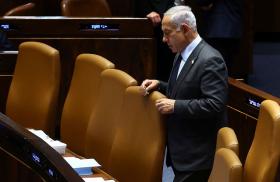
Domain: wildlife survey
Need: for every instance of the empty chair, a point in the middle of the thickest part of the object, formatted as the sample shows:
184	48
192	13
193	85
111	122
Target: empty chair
227	167
103	123
33	94
81	100
85	8
138	150
27	9
263	157
227	139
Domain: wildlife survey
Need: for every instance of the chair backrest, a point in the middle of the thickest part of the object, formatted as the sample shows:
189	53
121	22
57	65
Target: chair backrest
85	8
27	9
103	123
81	100
227	139
138	150
227	167
33	94
263	157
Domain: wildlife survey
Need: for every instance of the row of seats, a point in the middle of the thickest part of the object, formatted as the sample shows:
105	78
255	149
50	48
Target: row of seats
78	8
104	115
262	161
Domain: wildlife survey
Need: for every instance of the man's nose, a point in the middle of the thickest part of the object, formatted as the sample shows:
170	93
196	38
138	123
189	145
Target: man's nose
164	39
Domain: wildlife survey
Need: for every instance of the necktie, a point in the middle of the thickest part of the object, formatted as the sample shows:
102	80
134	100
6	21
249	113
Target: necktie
173	76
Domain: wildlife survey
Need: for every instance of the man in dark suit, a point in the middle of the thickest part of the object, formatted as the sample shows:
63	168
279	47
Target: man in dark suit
221	25
196	97
153	10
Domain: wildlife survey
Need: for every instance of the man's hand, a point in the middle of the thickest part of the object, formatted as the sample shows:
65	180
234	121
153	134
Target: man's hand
207	8
148	85
154	17
165	106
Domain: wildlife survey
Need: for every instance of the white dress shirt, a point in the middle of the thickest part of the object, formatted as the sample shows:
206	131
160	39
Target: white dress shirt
187	52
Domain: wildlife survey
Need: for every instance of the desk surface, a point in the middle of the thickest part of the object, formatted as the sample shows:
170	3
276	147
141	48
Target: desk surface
97	172
26	148
59	26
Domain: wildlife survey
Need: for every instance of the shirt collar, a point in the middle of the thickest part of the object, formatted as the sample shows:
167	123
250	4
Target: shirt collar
189	49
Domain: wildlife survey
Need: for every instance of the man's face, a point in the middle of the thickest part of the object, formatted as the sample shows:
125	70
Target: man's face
172	36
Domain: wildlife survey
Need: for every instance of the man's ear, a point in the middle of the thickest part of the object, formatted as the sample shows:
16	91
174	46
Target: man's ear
185	28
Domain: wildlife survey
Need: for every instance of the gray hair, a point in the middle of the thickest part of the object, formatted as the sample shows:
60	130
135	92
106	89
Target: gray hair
181	14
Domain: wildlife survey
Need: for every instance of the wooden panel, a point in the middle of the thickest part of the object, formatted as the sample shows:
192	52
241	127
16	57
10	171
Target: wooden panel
245	98
7	64
244	127
243	110
58	26
127	42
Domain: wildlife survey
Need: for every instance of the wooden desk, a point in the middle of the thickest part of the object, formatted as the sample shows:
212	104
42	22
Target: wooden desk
26	157
127	42
97	172
243	110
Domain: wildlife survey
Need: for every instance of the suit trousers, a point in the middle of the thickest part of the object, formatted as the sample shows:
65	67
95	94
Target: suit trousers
194	176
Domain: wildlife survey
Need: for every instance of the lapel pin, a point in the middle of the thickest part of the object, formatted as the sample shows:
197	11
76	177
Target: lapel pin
192	61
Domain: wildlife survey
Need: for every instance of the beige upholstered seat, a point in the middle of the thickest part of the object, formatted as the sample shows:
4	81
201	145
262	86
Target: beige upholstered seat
33	94
227	167
103	123
27	9
227	139
81	100
138	150
263	157
85	8
262	160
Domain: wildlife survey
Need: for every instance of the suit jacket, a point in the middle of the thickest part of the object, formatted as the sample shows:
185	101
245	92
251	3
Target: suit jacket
143	7
201	94
223	20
